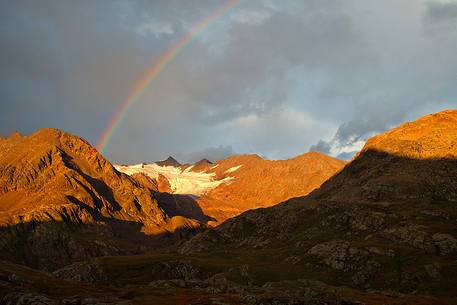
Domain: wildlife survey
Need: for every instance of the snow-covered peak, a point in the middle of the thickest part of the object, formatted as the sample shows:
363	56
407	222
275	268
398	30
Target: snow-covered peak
181	181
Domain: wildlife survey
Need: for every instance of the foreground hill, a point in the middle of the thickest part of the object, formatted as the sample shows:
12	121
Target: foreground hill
61	201
239	183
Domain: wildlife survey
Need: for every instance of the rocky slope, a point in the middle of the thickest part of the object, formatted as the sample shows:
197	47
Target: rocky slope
61	201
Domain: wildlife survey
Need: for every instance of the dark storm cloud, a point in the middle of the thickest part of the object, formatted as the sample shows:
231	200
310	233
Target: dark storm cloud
67	61
269	77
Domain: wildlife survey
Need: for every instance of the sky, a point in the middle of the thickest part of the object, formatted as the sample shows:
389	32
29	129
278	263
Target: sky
276	78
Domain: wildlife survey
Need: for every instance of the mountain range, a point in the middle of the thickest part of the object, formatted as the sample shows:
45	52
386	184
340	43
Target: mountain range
239	183
380	229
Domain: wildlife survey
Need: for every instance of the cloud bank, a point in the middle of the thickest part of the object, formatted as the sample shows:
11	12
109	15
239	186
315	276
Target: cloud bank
273	78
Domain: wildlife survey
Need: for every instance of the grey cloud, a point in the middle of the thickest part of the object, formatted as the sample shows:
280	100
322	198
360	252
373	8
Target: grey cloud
369	119
211	89
303	71
321	146
346	155
438	12
211	153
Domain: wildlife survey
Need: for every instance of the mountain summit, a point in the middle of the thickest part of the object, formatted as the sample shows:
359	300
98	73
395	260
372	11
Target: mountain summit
414	161
170	161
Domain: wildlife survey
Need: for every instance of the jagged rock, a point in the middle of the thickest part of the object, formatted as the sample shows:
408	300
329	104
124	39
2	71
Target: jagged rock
88	272
351	217
340	255
445	243
412	234
163	185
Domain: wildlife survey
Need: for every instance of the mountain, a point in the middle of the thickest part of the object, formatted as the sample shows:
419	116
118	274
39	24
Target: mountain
412	162
61	201
229	187
381	231
385	224
170	161
201	166
255	182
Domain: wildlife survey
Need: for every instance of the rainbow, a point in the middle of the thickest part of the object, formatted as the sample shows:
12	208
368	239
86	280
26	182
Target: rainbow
158	66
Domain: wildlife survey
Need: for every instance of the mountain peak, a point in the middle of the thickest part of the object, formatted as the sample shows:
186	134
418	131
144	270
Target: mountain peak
15	135
170	161
413	161
430	137
203	161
